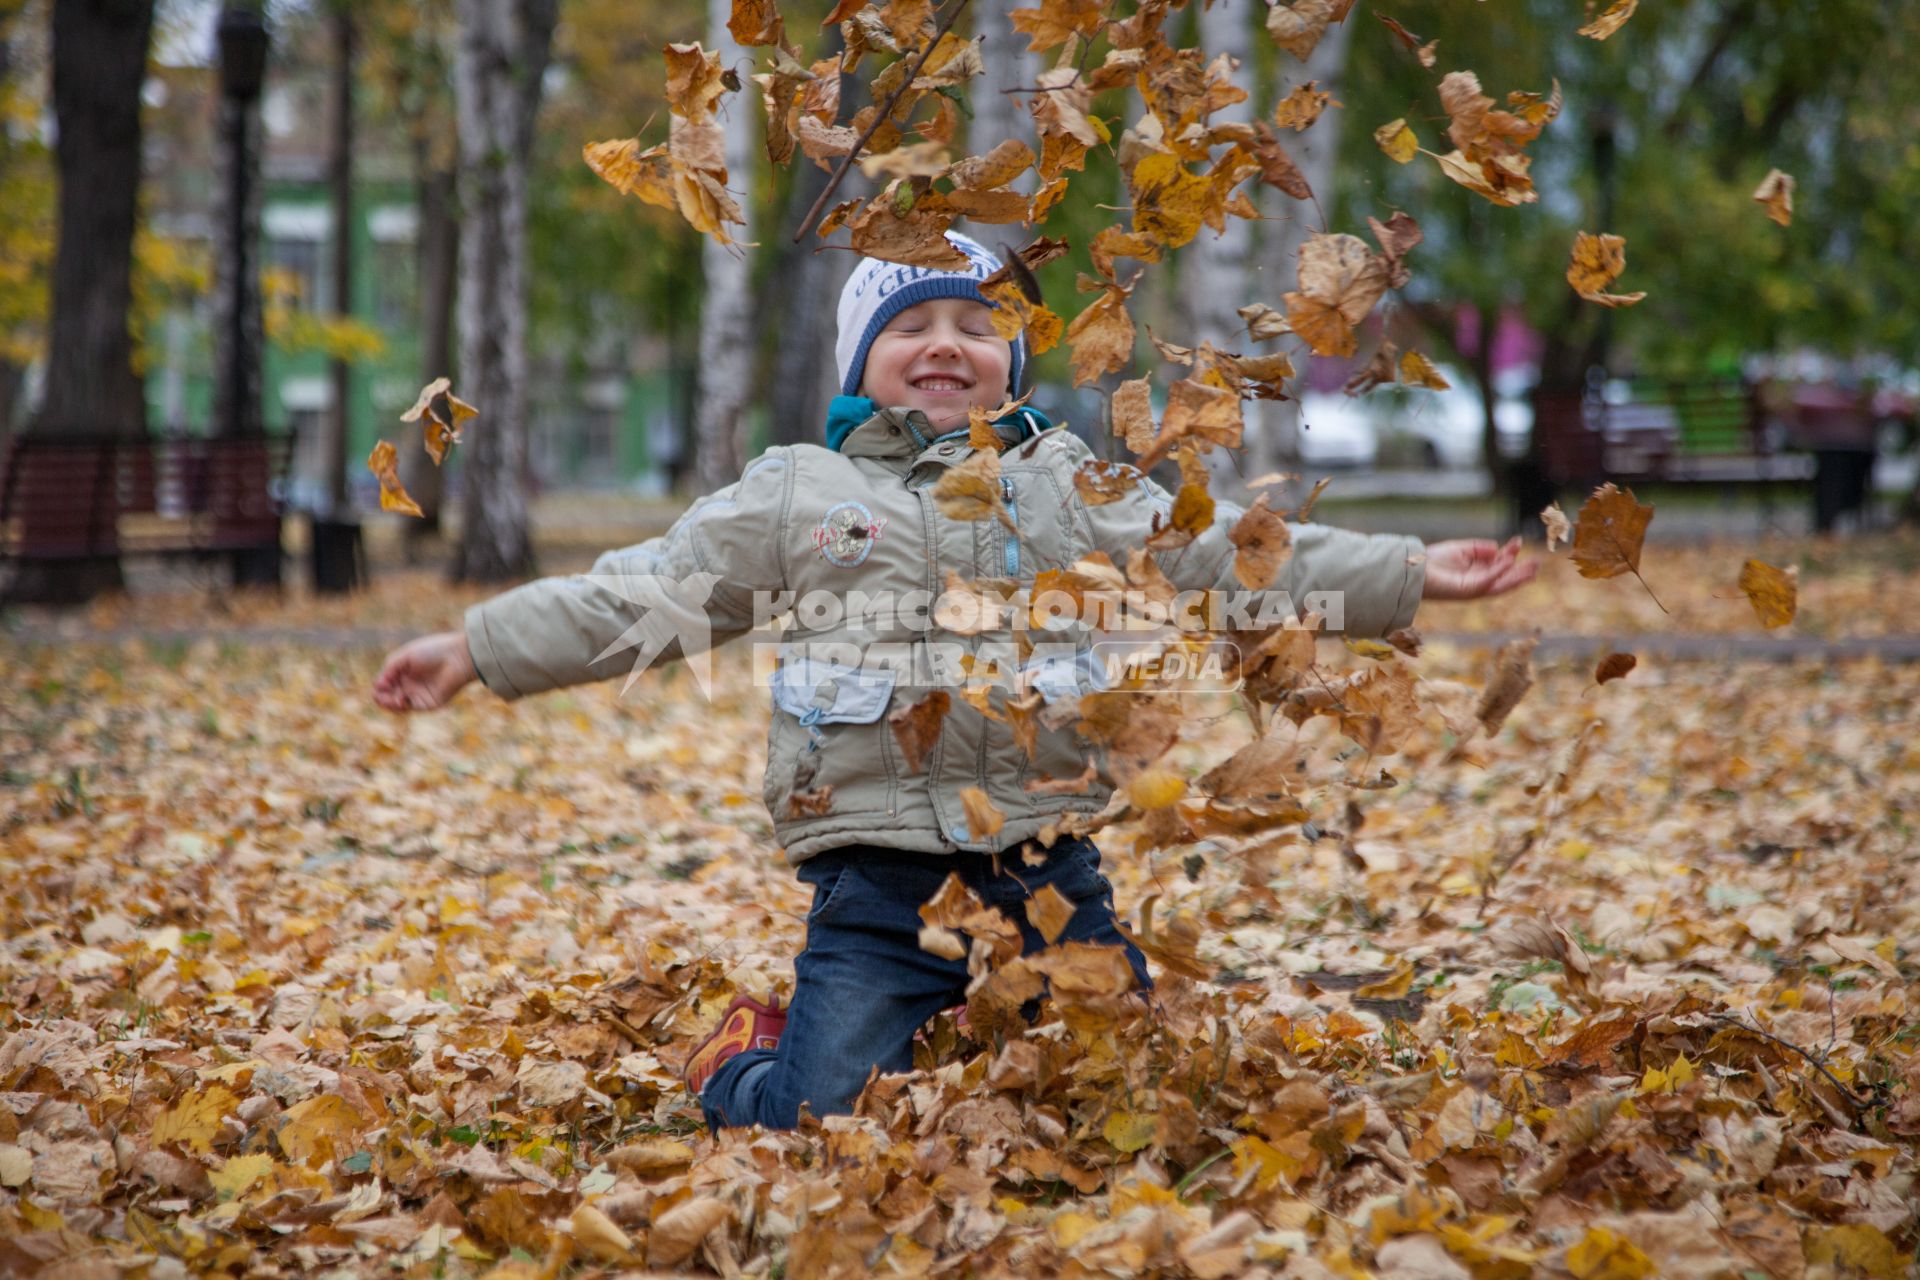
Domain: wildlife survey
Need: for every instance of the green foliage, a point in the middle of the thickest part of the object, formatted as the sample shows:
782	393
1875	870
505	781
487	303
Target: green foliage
1822	92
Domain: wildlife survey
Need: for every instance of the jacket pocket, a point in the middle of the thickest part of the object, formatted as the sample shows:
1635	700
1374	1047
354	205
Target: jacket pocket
833	713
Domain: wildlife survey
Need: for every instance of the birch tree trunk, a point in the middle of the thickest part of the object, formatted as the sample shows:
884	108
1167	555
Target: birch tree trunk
1275	439
1214	279
999	114
498	66
727	337
99	65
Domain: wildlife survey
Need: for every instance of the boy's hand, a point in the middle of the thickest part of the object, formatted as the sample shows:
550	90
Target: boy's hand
1470	568
425	673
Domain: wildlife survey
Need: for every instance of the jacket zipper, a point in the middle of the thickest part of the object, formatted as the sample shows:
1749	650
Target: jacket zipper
1010	538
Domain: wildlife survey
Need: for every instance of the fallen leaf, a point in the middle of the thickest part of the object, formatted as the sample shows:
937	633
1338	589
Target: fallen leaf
1559	528
384	462
1774	593
1775	193
1614	666
1611	20
1597	260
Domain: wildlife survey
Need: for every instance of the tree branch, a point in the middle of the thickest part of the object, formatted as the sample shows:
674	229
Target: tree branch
885	113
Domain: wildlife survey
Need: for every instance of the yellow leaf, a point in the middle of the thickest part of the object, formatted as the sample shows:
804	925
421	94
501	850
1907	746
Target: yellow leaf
1101	337
1602	1255
232	1179
1129	1131
1418	371
1169	202
320	1129
193	1120
1597	260
1773	592
384	462
1611	20
1398	140
646	175
1156	789
1858	1247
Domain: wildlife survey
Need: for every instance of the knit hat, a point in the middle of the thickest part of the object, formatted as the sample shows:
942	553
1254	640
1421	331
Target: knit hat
878	291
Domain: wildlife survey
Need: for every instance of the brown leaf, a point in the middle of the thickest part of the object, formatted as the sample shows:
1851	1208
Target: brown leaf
678	1232
1512	677
1774	593
1597	260
384	462
1610	531
1775	192
1298	27
1099	483
917	727
1299	109
917	240
971	491
1101	337
1277	168
443	413
1133	414
755	22
1049	911
1055	22
1614	666
1418	371
1264	323
1262	544
983	820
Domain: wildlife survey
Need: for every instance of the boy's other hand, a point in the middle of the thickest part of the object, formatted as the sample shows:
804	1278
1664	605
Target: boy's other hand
1472	568
424	674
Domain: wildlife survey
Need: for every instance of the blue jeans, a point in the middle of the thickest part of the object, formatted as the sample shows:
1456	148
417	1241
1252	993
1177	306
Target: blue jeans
863	986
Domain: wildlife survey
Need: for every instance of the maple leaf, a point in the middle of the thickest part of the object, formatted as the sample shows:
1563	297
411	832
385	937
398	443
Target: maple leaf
1611	20
1775	193
384	462
1398	140
443	413
1597	260
1774	593
1609	533
1055	22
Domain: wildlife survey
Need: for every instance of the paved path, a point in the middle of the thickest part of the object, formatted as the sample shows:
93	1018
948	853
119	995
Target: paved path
1648	646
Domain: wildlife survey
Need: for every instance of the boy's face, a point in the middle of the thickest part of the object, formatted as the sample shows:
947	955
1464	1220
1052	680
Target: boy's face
941	357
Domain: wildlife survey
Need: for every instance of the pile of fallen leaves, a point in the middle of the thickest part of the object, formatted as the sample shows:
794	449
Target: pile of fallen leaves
1617	981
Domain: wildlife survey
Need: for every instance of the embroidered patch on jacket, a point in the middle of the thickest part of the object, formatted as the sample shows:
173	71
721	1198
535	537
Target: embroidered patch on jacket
846	534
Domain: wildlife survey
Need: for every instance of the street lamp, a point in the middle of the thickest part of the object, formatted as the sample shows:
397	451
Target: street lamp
243	41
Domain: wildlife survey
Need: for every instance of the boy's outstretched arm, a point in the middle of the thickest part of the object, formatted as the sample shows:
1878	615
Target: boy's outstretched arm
668	597
425	673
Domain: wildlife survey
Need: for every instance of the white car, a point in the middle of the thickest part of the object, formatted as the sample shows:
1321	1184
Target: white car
1446	426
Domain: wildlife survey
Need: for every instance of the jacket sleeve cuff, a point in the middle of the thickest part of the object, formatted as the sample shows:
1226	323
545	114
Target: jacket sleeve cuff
1412	588
486	660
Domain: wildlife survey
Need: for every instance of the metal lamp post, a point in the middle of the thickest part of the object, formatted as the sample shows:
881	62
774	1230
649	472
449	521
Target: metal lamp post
243	44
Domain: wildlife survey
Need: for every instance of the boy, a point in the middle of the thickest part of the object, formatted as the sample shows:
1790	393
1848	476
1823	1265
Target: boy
874	833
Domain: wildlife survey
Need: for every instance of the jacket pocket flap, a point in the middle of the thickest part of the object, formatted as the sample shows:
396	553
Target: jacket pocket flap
816	692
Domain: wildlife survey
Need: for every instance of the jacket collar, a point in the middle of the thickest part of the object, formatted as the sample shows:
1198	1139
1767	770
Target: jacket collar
858	428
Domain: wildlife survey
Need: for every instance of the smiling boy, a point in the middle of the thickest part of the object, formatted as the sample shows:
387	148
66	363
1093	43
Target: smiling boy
875	832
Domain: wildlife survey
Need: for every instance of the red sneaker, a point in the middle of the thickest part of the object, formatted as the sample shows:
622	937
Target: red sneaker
747	1024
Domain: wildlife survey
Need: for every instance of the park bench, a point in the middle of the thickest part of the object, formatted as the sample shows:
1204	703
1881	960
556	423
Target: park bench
68	499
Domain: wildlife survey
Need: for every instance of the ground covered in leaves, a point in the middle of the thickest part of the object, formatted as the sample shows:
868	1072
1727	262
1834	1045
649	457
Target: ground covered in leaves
292	986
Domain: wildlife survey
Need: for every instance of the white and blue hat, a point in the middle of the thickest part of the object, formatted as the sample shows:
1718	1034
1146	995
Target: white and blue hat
878	291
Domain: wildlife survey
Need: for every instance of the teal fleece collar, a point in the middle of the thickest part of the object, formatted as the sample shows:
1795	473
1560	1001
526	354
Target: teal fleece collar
847	412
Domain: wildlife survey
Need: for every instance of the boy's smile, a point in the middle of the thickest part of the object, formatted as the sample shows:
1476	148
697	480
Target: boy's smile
941	357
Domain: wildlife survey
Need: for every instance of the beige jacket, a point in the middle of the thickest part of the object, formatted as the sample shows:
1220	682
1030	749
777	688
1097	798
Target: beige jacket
802	520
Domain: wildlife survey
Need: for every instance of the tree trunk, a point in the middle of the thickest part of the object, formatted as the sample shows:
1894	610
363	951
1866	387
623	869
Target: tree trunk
99	65
439	259
340	181
1315	151
726	304
999	114
502	56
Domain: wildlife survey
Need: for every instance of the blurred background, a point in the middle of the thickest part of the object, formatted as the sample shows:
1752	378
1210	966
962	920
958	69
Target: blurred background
303	192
